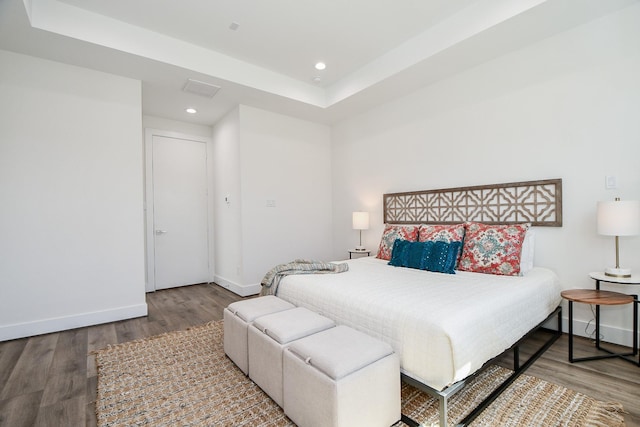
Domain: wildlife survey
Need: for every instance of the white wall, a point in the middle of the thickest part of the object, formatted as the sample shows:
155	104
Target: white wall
566	107
71	216
261	156
153	122
288	161
227	221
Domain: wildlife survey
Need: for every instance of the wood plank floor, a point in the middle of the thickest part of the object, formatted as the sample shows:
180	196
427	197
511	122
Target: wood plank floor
50	380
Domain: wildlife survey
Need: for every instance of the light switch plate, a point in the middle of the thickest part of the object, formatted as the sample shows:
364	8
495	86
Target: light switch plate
610	182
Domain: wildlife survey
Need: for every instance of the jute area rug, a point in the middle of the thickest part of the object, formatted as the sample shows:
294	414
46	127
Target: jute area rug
184	379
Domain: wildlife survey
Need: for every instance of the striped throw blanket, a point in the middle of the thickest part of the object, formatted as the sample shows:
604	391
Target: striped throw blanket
272	279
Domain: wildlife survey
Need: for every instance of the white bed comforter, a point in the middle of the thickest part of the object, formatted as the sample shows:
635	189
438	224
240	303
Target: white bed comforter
444	327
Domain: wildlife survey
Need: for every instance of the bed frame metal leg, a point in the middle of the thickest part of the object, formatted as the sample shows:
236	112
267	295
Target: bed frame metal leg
443	395
518	369
442	404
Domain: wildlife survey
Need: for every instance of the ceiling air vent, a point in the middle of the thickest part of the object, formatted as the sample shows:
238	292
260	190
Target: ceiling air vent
200	88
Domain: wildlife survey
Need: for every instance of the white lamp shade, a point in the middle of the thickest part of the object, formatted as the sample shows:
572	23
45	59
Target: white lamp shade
360	220
619	218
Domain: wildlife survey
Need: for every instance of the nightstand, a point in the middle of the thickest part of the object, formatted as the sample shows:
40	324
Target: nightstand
599	297
353	252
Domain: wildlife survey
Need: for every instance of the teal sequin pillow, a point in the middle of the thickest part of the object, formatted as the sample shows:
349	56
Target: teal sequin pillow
415	254
439	257
399	253
442	256
407	254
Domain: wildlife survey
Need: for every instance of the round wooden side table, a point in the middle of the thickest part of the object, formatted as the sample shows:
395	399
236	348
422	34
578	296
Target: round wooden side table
598	297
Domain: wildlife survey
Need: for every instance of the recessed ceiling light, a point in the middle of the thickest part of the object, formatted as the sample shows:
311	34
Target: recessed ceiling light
234	26
191	110
321	66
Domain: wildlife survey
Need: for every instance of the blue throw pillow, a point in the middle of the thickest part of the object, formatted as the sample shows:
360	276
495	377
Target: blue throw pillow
399	253
442	256
426	254
415	254
436	256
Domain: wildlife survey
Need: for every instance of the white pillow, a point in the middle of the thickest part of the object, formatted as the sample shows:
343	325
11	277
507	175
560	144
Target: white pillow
526	256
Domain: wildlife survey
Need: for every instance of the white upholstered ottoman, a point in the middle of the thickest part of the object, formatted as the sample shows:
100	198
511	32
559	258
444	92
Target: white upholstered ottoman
268	337
237	318
341	377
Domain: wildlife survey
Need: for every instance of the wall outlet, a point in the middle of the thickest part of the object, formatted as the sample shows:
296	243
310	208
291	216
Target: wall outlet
271	203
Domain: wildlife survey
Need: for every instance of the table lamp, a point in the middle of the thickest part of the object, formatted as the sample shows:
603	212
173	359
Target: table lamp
360	222
618	218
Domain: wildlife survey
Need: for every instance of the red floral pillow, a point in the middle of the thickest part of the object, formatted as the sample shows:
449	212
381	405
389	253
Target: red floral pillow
493	249
393	232
441	233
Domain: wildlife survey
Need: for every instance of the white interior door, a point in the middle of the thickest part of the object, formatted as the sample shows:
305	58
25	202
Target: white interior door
180	226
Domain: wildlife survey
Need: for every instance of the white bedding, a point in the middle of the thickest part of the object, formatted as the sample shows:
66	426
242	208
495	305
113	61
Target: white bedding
444	327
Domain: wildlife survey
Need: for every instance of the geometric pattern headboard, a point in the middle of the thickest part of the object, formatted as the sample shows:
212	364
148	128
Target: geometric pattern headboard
537	202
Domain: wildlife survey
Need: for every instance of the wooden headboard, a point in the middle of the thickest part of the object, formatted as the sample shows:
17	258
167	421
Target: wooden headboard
537	202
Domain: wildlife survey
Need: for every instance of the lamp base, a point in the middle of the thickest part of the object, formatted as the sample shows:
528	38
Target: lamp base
617	272
360	248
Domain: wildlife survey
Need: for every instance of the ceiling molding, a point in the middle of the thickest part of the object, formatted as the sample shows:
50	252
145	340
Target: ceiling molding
478	32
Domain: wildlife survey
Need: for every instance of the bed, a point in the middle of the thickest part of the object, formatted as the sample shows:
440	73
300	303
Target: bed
447	327
444	327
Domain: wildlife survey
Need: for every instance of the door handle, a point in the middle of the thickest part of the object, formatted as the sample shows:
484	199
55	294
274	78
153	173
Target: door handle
158	232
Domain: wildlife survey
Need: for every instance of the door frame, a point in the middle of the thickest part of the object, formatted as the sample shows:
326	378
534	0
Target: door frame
149	133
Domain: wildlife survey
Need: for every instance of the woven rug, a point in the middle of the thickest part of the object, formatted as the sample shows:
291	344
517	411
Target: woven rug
184	379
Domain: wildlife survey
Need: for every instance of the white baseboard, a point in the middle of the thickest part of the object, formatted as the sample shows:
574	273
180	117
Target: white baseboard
236	288
57	324
608	334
